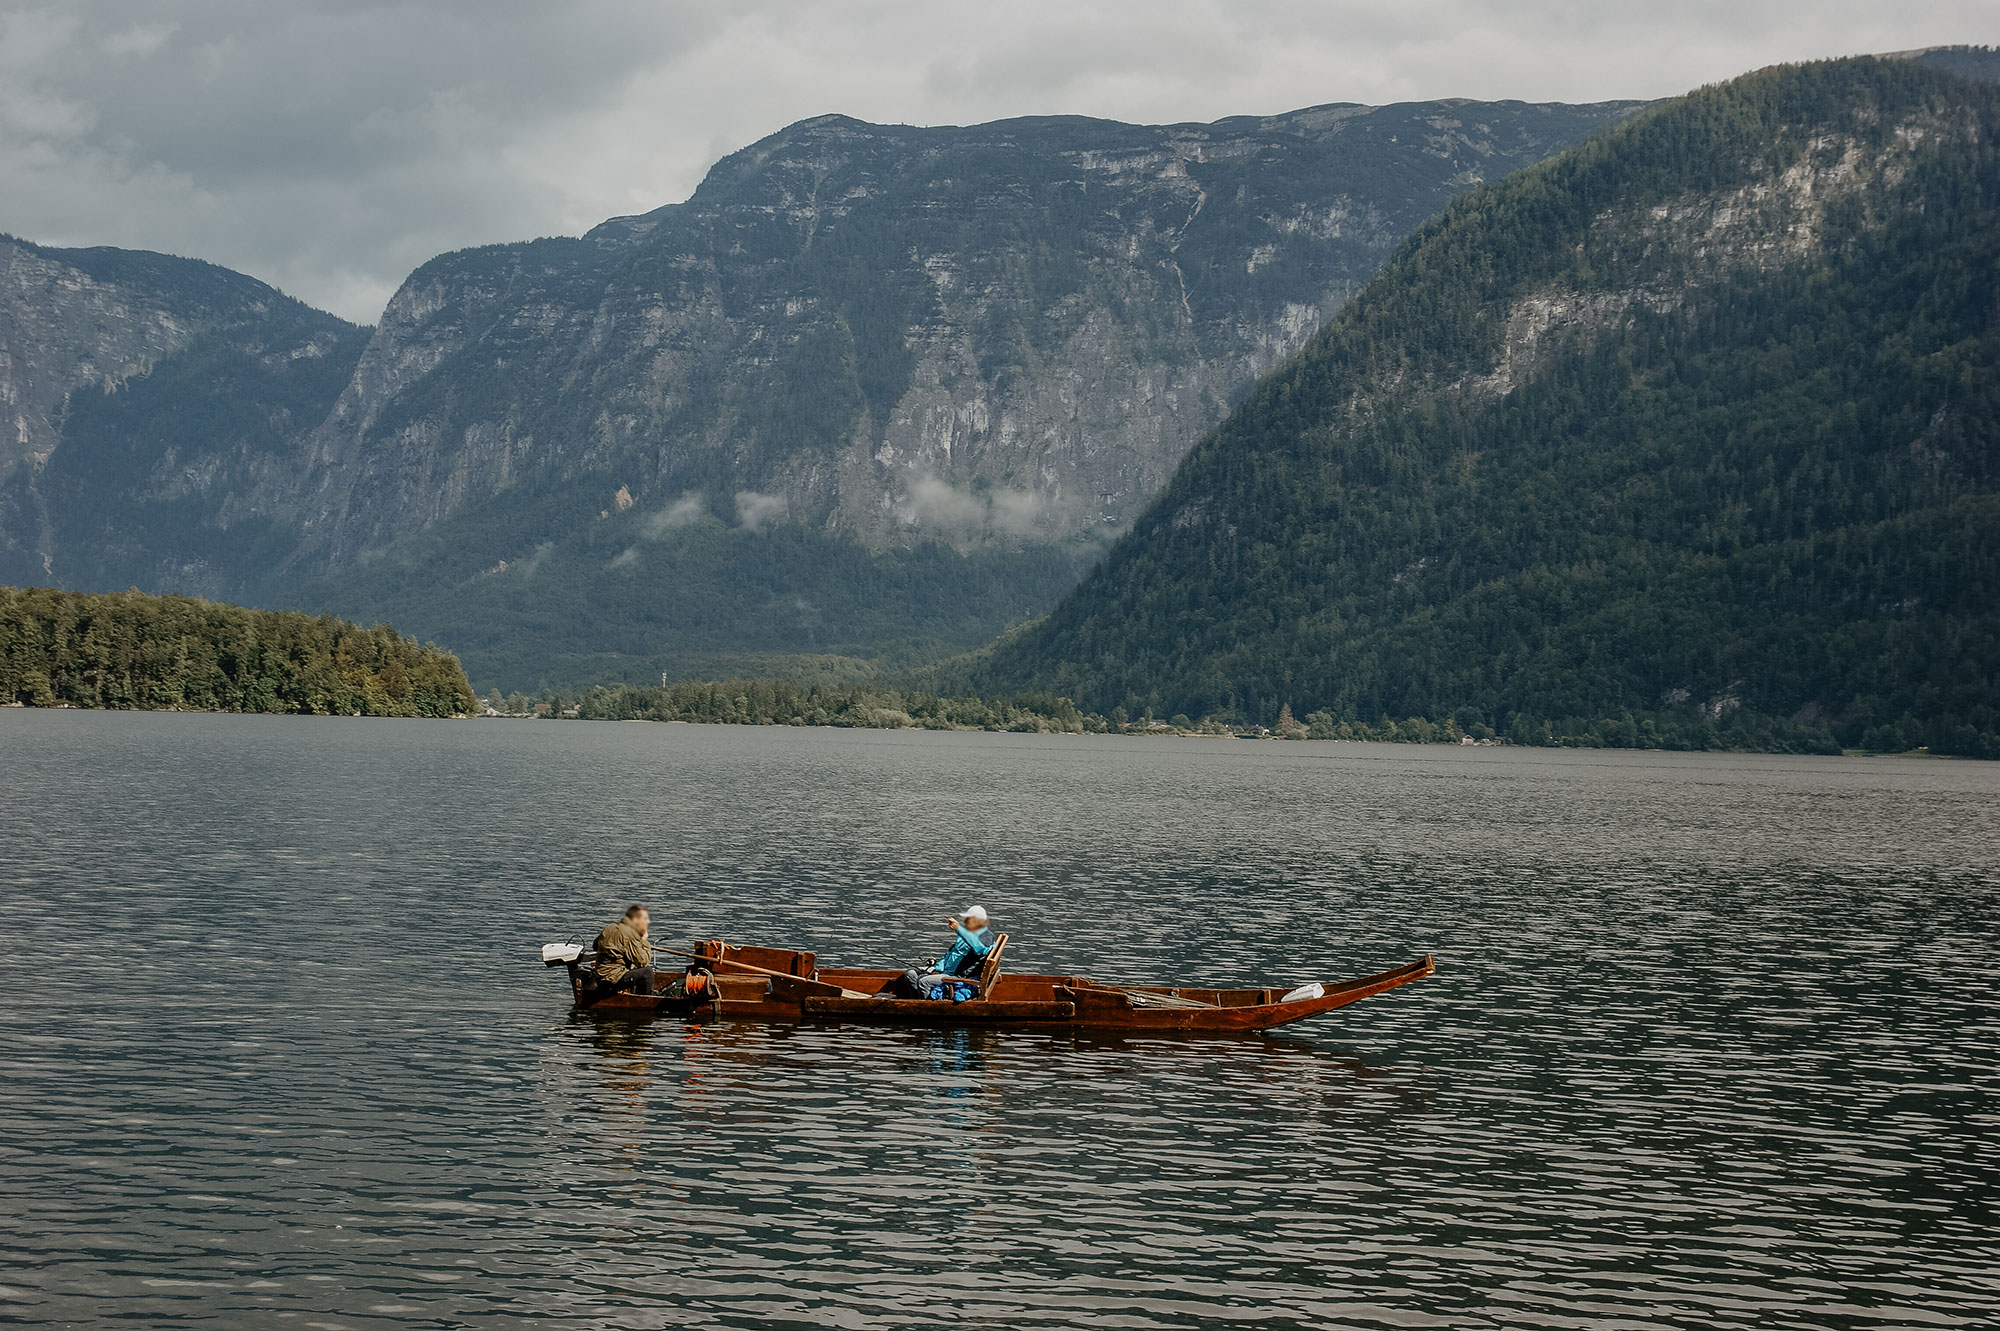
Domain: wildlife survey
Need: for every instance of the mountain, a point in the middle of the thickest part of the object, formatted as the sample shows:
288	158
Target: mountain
1010	330
1700	418
871	391
146	399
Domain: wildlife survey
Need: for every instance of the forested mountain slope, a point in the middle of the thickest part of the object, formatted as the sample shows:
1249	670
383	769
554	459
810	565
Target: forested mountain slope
145	399
1704	413
130	651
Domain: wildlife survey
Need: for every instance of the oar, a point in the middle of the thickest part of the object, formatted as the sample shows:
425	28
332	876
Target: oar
730	961
1164	1000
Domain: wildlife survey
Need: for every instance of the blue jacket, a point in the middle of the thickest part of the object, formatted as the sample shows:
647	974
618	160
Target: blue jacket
966	954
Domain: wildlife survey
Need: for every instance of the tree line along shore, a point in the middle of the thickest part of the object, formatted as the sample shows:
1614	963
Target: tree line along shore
132	651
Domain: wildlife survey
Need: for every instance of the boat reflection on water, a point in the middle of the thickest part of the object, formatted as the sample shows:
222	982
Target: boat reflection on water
627	1042
723	1139
642	1068
721	1057
703	1059
962	1068
959	1055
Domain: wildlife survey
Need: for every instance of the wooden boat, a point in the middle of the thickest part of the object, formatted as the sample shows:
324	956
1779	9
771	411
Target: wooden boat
781	985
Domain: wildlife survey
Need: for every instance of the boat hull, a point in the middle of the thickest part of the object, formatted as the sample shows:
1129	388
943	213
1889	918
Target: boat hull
802	994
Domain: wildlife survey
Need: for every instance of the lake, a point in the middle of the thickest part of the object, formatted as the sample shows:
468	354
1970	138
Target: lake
1713	1041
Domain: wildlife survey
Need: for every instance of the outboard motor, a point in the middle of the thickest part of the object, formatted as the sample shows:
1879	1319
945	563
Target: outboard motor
571	954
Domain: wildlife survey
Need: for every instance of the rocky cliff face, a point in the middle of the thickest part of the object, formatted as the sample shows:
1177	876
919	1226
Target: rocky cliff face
1008	333
147	400
61	331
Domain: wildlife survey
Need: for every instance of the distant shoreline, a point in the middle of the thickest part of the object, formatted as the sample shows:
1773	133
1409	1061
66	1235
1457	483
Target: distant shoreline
780	703
1131	732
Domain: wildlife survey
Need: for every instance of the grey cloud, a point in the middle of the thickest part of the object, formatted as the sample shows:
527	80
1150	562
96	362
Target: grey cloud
1015	512
936	506
330	147
529	566
756	511
690	507
326	147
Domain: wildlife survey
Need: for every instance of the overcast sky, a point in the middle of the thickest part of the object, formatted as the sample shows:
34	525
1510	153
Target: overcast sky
329	147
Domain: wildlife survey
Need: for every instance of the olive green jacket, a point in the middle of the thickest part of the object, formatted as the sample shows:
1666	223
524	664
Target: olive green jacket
620	948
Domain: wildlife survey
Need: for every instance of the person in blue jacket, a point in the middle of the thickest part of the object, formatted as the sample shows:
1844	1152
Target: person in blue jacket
961	960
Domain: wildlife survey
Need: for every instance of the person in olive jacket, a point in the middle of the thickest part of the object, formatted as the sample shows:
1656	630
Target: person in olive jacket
624	957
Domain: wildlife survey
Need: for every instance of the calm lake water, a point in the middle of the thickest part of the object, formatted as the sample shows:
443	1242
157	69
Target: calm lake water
1713	1040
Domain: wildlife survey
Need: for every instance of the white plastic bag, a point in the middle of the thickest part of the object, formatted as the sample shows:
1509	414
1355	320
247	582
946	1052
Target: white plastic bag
1304	993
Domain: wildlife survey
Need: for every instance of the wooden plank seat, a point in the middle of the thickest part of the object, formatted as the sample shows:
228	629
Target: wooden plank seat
989	969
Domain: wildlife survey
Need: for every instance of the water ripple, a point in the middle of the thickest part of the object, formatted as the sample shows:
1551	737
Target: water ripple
1712	1043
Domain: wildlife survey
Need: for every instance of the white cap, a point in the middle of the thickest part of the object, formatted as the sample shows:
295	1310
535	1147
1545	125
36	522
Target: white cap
974	913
